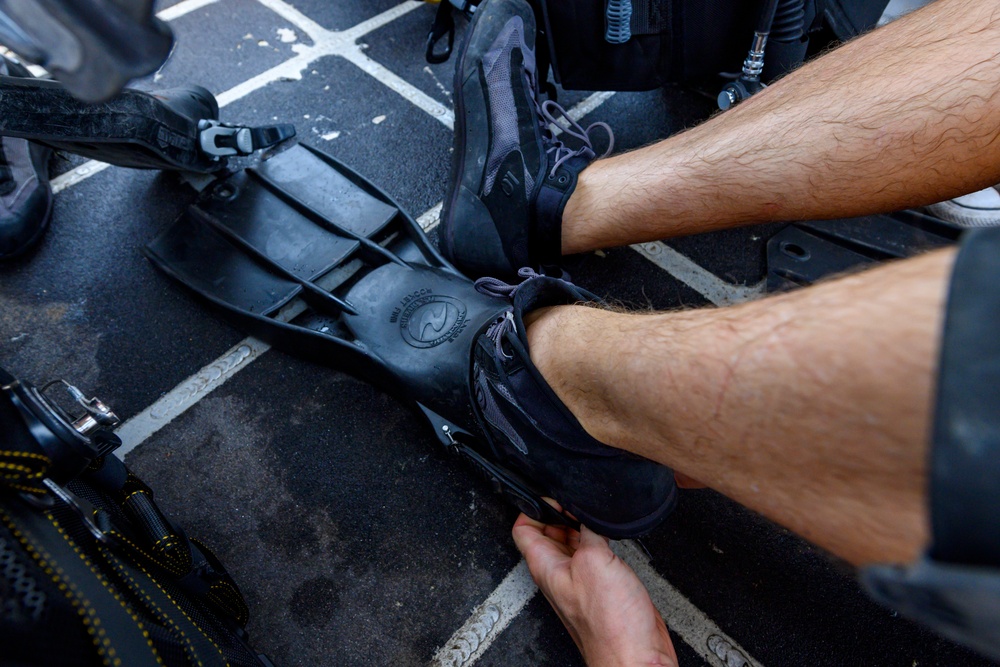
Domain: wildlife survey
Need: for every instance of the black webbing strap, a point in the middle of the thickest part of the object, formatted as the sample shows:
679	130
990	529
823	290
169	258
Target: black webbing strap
199	648
443	26
223	592
22	463
154	540
965	465
117	633
170	546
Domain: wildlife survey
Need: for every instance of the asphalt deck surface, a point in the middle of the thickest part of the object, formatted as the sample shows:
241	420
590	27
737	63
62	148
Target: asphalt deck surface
355	538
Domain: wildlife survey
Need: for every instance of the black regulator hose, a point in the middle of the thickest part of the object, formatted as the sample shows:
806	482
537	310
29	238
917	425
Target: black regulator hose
766	18
789	21
786	46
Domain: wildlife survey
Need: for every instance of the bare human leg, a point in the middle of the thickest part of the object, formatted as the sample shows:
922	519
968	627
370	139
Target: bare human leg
904	116
812	408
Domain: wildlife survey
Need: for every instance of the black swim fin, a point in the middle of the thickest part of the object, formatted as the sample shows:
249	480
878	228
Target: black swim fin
176	129
306	254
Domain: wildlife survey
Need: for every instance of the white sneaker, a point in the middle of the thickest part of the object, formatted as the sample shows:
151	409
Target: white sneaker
979	209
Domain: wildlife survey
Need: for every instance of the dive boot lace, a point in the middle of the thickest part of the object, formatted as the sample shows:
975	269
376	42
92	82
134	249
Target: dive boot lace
502	290
549	114
559	152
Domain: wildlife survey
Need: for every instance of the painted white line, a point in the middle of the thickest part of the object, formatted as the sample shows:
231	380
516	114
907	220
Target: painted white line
376	22
182	8
81	173
318	33
431	218
691	624
698	278
175	402
325	43
290	70
582	108
492	617
407	91
589	104
488	620
314	30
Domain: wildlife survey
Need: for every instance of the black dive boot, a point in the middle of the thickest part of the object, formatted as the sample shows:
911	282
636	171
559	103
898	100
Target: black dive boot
511	177
25	193
531	430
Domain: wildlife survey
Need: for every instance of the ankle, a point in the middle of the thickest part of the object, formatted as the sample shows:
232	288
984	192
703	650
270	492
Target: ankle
559	338
575	235
542	333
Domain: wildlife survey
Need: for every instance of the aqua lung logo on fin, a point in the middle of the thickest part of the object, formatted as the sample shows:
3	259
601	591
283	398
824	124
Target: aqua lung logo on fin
432	320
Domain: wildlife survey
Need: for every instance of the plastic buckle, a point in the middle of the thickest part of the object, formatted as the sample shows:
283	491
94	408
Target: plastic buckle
222	140
503	481
71	443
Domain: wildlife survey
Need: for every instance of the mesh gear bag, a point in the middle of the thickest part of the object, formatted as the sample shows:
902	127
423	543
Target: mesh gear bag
644	44
91	571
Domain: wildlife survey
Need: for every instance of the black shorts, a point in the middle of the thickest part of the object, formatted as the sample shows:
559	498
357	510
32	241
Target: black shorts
955	587
965	444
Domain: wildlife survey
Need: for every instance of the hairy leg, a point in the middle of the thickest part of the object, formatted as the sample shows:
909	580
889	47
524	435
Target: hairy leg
812	408
904	116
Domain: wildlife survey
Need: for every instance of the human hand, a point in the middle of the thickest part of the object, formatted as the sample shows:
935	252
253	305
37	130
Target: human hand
598	597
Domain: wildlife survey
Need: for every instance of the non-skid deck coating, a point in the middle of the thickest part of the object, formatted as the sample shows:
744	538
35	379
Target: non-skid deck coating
356	540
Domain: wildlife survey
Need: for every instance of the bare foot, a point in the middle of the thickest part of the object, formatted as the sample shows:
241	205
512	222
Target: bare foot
603	605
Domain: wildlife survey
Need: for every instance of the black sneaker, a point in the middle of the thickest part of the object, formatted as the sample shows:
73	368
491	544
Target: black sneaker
25	193
511	178
532	432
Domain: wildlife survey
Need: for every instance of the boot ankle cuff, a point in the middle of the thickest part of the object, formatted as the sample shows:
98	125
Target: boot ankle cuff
546	245
555	191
